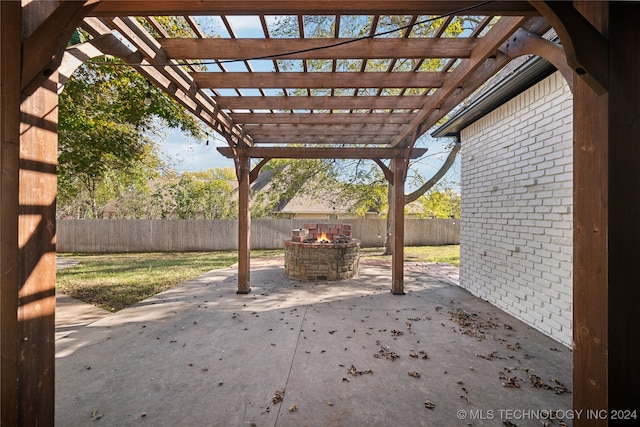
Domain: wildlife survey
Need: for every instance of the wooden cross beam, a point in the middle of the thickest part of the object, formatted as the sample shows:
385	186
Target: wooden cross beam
321	153
281	48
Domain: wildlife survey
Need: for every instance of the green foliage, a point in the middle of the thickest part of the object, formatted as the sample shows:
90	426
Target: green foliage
440	204
103	128
203	195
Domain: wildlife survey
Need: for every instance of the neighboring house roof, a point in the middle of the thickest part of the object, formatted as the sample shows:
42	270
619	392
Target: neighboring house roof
519	75
320	203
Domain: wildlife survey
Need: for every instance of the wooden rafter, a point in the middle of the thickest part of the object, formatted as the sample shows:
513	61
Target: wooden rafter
344	140
292	7
321	153
321	118
289	129
318	80
239	49
321	102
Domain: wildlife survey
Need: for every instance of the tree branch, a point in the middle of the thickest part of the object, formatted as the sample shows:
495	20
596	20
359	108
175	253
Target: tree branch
435	178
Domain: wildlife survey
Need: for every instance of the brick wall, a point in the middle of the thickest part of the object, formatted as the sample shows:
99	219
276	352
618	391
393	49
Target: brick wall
516	224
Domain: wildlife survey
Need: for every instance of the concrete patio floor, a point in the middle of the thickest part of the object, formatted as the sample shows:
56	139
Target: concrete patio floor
344	353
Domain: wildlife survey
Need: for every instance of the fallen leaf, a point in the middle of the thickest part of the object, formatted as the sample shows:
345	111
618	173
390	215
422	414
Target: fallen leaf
385	352
396	334
355	372
429	404
278	396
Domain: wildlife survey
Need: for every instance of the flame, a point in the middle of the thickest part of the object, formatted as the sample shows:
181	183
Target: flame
323	238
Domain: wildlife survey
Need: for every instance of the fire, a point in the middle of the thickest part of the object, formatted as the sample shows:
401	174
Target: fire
322	238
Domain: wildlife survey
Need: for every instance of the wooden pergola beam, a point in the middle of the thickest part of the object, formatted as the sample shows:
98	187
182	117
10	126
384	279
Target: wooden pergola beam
286	7
340	48
323	139
346	80
335	130
321	153
320	102
321	118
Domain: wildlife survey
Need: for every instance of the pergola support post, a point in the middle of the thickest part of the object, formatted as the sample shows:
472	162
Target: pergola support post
397	258
28	158
37	254
10	71
244	224
606	214
624	205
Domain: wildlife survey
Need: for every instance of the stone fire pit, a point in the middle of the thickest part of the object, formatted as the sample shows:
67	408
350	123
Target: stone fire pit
322	252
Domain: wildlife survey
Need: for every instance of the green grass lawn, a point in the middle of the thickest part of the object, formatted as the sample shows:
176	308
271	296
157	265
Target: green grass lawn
116	281
449	254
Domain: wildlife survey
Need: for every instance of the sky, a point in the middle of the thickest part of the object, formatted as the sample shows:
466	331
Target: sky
188	155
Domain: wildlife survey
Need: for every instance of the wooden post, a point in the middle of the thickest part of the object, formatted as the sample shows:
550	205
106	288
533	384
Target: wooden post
37	254
606	220
10	51
590	257
244	225
397	258
624	209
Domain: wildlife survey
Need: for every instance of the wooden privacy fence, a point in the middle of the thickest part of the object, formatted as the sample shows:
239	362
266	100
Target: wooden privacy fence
210	235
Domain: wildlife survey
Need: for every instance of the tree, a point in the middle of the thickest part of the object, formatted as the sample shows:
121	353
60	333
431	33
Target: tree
104	125
440	203
108	114
203	195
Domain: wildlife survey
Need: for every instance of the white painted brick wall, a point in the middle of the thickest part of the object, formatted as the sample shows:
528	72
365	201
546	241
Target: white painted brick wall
516	228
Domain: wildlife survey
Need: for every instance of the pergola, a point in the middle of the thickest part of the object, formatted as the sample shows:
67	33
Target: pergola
366	96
